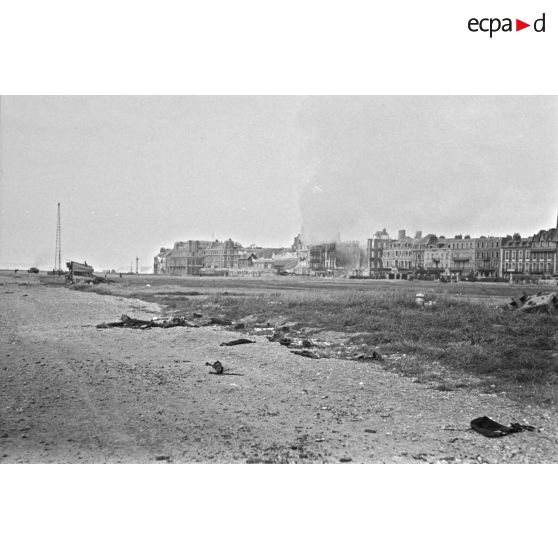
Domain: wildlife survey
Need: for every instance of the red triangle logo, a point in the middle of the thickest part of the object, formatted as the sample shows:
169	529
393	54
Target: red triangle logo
519	25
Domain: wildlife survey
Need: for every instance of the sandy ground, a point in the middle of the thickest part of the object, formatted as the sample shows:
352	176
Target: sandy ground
71	393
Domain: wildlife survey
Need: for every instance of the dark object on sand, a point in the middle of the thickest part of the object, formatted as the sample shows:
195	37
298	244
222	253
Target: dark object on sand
219	321
307	354
217	366
197	315
492	429
363	358
307	344
236	342
239	326
277	336
286	342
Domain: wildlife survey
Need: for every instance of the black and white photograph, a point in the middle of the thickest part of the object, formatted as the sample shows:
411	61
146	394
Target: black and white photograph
279	279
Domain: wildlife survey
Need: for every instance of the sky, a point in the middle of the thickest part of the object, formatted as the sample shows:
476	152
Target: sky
133	174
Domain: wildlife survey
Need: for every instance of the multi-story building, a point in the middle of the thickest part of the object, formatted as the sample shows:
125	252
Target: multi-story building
487	256
515	256
544	250
375	253
398	255
420	245
462	255
322	257
437	257
222	255
186	258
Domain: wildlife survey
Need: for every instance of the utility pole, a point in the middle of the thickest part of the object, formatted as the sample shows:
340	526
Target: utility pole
0	137
58	250
137	261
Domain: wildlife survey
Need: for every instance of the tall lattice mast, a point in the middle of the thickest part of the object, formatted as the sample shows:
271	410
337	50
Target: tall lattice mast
58	252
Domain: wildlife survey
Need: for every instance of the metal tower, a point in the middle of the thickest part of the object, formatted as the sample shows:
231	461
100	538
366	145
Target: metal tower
58	251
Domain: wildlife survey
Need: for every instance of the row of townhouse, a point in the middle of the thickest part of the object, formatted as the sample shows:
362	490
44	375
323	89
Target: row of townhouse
536	255
462	256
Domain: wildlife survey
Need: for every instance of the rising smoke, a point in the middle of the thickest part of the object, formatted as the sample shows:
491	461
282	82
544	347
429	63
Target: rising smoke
441	164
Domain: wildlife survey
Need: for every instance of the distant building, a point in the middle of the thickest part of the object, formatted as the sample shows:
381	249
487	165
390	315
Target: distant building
544	249
160	261
322	257
222	255
375	253
420	245
187	258
437	257
530	258
487	256
515	257
398	256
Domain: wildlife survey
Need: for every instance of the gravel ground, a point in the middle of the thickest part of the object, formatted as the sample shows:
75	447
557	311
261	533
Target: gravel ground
71	393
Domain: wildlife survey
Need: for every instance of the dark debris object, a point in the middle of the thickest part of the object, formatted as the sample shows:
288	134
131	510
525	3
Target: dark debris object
541	302
217	366
363	358
135	323
492	429
307	354
219	321
236	342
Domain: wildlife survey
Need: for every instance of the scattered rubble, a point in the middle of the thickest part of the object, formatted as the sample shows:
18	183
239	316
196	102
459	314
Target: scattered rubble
135	323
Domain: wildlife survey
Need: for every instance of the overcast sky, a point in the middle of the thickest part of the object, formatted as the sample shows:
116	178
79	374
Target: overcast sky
133	174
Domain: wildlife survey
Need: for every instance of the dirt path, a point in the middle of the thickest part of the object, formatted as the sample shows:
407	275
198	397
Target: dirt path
71	393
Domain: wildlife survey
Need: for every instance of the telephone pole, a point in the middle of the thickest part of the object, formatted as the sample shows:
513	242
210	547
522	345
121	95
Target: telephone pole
137	261
58	250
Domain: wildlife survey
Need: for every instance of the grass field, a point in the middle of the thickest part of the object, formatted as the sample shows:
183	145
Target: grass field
465	332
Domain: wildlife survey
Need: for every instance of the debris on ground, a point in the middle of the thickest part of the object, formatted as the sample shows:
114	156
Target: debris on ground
236	342
307	354
492	429
135	323
540	302
219	321
217	366
363	358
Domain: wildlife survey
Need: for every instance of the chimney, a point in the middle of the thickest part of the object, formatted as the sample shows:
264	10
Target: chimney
418	235
401	234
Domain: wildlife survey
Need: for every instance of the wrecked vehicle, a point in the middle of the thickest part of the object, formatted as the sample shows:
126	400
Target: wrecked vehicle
540	302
